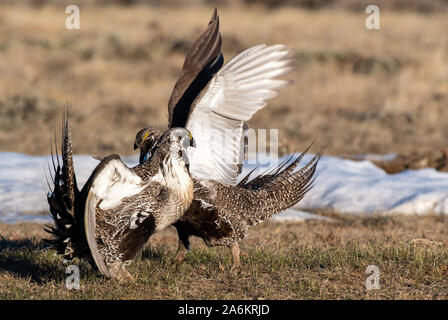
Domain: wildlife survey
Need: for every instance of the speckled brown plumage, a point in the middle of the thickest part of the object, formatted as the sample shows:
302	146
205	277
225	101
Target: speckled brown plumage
211	99
116	233
236	208
222	214
122	232
125	206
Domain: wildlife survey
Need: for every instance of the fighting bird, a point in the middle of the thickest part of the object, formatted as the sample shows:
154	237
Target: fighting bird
119	207
214	102
221	214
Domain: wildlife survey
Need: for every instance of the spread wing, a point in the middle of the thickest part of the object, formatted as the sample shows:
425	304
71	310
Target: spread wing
235	93
110	183
203	60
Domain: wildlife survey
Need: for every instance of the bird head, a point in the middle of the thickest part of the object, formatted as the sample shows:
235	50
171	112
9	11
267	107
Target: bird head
174	143
145	140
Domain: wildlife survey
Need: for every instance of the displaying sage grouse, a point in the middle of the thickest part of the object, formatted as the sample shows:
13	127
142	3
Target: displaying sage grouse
214	102
207	99
120	207
221	214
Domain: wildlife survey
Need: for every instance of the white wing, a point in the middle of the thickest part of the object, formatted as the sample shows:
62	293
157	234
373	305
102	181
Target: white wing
111	181
235	93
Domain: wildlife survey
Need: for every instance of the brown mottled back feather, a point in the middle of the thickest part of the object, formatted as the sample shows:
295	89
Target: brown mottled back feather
236	208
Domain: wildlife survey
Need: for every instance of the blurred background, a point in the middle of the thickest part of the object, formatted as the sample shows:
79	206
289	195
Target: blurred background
364	93
361	91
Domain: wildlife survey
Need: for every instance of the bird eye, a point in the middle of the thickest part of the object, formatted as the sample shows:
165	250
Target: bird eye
179	153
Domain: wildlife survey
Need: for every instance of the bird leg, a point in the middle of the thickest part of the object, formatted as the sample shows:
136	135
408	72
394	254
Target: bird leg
182	250
235	250
118	271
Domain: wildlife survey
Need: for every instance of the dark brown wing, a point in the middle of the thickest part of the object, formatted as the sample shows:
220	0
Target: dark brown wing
203	60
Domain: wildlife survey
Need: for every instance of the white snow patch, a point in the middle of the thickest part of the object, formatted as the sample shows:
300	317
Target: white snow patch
355	187
359	187
375	157
294	215
23	187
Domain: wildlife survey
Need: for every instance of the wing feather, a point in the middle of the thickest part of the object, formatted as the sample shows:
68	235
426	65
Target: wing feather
110	183
203	60
233	96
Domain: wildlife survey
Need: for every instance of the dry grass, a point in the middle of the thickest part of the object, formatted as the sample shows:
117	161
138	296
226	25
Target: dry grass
357	90
311	260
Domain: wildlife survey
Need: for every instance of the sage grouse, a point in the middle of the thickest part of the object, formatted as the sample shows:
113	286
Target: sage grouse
222	210
117	210
119	207
222	213
214	102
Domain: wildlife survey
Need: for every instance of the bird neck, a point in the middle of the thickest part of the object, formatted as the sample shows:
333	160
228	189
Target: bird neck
173	175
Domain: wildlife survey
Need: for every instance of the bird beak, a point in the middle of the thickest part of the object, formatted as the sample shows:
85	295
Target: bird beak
192	142
135	146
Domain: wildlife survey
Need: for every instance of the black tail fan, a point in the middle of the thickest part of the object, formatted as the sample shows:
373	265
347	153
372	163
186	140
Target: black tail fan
66	203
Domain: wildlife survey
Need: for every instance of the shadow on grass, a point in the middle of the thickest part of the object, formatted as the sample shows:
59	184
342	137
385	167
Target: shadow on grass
21	244
154	254
29	259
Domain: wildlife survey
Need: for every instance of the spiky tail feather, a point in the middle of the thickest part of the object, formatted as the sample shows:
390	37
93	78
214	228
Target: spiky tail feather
66	203
280	188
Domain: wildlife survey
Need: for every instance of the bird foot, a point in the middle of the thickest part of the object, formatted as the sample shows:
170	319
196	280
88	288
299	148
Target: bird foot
177	261
118	272
236	268
179	257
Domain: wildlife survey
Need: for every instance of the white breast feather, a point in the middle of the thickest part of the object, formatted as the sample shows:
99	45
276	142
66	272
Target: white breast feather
114	183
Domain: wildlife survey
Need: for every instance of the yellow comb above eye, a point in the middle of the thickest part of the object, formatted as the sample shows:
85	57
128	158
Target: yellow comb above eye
145	136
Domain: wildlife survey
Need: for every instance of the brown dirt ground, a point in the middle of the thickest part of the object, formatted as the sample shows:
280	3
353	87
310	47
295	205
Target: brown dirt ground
357	91
310	260
437	159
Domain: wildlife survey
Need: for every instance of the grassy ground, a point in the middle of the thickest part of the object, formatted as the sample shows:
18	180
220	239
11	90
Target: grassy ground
310	260
357	90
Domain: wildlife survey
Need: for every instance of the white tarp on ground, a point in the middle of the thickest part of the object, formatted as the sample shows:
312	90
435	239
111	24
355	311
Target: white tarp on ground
356	187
